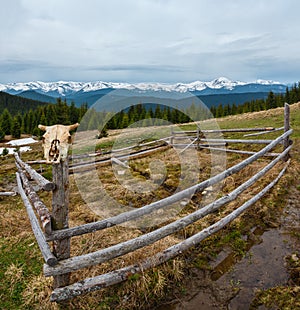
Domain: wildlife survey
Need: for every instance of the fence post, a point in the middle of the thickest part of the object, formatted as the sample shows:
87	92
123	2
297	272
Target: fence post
198	138
172	137
286	141
60	206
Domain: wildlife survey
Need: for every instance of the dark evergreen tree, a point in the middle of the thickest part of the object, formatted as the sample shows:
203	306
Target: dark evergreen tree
270	102
16	128
62	112
219	110
50	115
31	122
74	113
6	122
2	134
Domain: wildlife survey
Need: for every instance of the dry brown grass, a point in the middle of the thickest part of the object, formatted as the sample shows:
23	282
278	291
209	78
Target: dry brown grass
150	285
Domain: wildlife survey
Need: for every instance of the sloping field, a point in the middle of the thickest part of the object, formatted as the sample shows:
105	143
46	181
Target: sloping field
23	285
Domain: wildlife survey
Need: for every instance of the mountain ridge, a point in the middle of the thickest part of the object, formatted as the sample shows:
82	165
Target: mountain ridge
90	92
66	88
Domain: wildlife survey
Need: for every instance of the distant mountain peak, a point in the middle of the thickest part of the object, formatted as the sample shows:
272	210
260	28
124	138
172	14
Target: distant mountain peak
65	88
89	92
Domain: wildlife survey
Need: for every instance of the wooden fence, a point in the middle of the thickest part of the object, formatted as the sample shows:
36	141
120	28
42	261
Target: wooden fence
53	226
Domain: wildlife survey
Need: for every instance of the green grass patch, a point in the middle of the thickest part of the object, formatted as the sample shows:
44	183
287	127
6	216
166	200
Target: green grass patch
19	261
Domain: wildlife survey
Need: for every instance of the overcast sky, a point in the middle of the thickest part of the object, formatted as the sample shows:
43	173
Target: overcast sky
149	40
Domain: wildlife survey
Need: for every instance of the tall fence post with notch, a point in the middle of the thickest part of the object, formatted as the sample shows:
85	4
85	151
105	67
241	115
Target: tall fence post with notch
60	209
286	141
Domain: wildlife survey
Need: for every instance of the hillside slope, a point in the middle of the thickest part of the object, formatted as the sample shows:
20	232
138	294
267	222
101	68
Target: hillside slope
23	285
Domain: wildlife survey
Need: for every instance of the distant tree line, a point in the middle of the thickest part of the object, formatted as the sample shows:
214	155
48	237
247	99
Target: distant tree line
290	96
142	115
17	121
49	114
16	104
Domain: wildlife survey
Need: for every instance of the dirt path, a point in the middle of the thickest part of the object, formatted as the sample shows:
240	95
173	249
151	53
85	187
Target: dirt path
234	285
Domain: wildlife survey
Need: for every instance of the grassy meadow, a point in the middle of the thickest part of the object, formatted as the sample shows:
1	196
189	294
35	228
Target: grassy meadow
23	286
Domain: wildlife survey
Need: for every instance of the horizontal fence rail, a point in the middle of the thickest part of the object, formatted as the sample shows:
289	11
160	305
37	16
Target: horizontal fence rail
41	209
78	166
120	249
42	182
58	262
49	258
225	130
134	214
120	275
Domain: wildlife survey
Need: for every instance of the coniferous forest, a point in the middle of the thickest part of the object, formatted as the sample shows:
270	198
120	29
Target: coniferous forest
20	115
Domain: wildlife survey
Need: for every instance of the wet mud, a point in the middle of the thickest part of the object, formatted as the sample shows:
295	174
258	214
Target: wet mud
233	284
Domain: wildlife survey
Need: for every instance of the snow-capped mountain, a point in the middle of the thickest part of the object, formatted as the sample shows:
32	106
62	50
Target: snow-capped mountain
65	89
211	93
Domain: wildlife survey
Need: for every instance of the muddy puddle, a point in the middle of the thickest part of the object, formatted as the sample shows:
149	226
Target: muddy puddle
232	284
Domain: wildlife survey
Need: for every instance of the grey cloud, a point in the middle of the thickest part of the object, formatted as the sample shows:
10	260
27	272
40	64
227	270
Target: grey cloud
148	40
139	68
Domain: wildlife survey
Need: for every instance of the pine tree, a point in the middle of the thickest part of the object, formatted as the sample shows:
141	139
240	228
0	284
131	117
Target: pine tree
16	128
31	121
270	102
6	122
74	113
50	114
2	134
25	123
62	112
219	110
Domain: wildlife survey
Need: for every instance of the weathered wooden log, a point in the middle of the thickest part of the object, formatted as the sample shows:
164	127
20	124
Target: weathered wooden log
42	182
48	256
234	151
36	162
155	141
224	130
185	138
123	248
264	132
184	132
189	145
60	217
133	155
186	193
120	275
213	144
119	162
180	145
138	145
82	156
286	141
237	141
41	209
8	193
